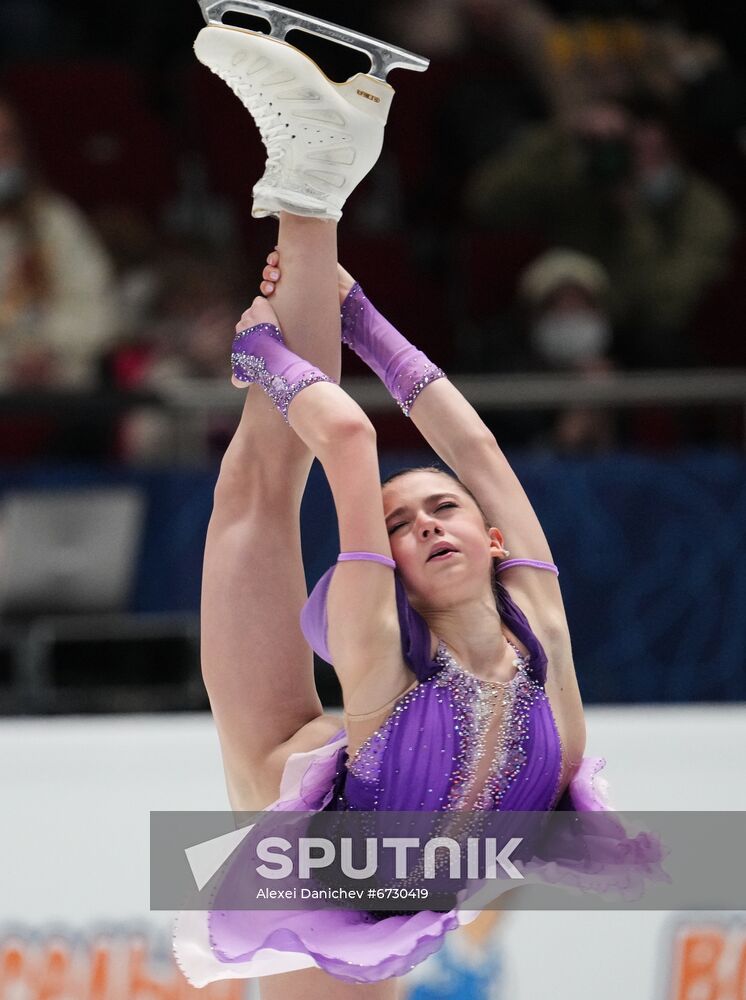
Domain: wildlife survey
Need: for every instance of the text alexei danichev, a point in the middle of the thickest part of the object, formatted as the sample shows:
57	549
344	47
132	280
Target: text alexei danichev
310	894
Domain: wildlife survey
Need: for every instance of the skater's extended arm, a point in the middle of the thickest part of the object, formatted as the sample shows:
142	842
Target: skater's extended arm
456	432
445	418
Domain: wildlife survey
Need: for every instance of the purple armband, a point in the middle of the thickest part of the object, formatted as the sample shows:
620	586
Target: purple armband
404	370
531	563
260	357
366	557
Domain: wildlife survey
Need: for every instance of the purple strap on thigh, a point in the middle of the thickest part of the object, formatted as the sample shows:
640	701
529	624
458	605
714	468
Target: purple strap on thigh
534	563
366	557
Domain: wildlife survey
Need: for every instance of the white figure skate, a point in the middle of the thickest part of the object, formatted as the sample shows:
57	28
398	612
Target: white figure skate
321	137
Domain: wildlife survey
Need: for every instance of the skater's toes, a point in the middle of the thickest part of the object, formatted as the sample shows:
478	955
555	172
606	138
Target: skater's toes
273	259
266	288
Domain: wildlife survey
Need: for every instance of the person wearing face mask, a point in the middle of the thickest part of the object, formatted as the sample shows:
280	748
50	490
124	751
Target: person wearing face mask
56	312
611	182
679	232
565	296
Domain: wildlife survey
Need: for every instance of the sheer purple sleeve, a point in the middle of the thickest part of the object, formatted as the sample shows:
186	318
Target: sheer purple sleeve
404	370
415	633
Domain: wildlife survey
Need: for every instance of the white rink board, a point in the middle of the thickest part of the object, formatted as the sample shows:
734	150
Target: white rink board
76	795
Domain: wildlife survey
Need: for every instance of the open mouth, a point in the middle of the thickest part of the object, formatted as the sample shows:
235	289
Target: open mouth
442	552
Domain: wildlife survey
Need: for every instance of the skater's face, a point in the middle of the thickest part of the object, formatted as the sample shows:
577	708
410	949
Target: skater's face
427	512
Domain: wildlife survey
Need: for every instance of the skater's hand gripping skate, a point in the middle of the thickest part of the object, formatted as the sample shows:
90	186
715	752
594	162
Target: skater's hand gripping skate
271	276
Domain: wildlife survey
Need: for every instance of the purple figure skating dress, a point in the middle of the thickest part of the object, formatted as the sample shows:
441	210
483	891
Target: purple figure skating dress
451	742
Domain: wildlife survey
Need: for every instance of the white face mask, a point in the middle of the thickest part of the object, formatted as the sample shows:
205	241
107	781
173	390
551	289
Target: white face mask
571	338
13	183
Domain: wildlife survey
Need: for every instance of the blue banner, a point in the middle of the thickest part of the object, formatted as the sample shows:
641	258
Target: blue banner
651	551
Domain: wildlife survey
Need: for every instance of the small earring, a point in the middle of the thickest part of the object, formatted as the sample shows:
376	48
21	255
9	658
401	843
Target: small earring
507	552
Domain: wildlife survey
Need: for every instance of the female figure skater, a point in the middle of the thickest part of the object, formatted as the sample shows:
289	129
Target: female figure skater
452	699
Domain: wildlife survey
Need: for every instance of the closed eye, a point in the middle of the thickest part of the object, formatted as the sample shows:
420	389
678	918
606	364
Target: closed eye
442	506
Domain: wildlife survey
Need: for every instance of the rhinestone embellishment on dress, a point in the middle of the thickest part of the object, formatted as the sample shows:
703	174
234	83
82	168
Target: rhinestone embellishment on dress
479	701
475	702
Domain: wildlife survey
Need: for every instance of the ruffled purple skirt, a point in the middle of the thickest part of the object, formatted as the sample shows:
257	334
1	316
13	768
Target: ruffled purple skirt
355	946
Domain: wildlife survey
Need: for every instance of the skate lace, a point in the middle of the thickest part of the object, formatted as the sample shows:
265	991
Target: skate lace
265	118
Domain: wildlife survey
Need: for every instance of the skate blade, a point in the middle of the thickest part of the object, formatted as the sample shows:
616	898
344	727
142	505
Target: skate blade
383	57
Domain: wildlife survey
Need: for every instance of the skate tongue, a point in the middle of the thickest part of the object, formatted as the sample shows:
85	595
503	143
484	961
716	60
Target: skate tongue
383	56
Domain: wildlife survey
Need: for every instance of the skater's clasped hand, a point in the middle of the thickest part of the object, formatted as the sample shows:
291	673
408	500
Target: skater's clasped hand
271	273
260	311
271	276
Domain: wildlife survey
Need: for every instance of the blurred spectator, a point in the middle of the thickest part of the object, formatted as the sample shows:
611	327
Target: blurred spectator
566	296
614	185
196	308
603	55
437	27
188	336
472	101
56	313
133	245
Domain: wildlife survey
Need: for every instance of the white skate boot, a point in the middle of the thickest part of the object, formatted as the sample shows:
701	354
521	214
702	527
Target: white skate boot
321	137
